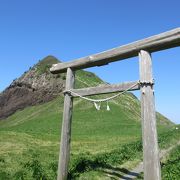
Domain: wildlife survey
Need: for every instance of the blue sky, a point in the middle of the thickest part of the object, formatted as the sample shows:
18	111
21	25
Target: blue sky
69	29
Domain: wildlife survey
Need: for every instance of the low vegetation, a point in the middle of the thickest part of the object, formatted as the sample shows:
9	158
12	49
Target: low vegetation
171	167
29	141
101	140
44	65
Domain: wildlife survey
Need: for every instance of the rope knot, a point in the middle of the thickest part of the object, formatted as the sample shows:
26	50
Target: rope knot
146	83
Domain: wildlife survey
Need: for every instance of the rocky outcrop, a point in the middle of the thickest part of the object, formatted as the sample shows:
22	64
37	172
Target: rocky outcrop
36	86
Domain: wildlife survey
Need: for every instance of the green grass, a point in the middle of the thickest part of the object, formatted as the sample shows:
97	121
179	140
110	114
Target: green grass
45	64
86	79
171	167
29	139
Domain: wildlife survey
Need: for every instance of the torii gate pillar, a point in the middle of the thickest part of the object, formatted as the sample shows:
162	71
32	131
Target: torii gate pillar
64	155
151	163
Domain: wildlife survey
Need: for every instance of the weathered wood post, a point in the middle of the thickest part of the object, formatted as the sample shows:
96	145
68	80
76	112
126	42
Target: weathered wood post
64	155
151	161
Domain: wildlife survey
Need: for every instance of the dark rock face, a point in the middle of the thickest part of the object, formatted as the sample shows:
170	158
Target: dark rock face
36	86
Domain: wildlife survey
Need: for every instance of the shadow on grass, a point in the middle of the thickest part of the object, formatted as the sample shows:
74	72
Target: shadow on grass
113	172
119	173
103	162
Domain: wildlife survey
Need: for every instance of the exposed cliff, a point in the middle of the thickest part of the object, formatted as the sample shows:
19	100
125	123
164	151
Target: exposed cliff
35	86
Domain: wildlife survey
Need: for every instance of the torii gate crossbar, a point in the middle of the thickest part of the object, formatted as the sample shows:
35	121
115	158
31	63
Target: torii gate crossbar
143	49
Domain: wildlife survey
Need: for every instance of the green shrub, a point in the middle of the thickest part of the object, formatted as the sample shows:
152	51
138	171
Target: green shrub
5	175
20	175
36	168
171	168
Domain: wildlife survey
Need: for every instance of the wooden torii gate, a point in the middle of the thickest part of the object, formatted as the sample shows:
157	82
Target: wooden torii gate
143	48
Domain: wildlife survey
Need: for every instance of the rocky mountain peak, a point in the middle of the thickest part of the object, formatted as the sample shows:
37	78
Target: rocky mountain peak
35	86
38	76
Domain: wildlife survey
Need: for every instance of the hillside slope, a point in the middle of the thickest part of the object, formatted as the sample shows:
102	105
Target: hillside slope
29	138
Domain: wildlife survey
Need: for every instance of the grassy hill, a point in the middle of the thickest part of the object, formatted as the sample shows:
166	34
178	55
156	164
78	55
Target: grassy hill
29	139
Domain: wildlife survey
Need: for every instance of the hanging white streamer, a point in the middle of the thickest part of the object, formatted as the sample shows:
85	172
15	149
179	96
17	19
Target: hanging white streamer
108	108
97	106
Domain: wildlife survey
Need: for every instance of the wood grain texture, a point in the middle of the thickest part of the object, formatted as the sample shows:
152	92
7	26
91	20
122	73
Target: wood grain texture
151	160
66	129
104	89
152	44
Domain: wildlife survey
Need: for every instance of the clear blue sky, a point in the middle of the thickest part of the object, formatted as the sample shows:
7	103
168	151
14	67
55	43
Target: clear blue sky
69	29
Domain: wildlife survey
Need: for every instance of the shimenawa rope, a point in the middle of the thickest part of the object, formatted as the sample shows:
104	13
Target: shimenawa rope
95	101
